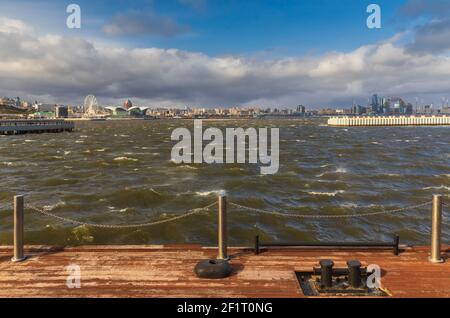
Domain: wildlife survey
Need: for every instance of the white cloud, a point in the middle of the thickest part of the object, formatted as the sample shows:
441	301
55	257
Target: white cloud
65	69
8	25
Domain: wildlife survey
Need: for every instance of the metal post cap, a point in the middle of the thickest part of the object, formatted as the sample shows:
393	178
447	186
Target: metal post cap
326	263
354	264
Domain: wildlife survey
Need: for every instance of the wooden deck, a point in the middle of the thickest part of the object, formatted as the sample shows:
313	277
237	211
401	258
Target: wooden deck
167	271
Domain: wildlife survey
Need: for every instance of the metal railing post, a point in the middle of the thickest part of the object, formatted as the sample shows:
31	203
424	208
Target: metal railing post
436	220
222	228
19	255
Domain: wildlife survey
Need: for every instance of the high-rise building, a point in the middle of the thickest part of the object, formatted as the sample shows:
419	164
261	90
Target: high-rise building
375	104
301	109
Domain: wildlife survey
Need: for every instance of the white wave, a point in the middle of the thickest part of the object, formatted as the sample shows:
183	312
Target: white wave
9	163
207	193
350	205
328	194
338	170
187	167
125	159
51	207
442	187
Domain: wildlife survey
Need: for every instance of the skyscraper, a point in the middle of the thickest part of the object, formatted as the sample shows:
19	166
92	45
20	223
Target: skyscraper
375	104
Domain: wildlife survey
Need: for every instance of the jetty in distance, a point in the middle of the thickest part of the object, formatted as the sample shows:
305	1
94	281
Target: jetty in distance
25	126
389	121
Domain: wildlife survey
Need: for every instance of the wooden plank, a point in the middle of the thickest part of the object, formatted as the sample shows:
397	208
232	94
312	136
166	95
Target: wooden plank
167	271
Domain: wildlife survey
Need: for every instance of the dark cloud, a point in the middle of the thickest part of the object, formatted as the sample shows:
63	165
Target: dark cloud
143	23
433	37
432	31
65	69
418	8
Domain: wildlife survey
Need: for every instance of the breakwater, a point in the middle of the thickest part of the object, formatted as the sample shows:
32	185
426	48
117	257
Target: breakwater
389	121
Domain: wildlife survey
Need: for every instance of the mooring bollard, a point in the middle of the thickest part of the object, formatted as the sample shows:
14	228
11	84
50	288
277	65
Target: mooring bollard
222	228
220	267
18	229
436	220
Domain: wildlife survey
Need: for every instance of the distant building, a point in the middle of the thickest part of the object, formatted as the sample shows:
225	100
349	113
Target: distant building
45	107
62	112
127	104
358	110
301	109
375	105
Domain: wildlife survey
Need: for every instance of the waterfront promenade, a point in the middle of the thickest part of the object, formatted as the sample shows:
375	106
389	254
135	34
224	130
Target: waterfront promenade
389	121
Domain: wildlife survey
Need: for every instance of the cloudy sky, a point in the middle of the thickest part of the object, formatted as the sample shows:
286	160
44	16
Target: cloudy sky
225	52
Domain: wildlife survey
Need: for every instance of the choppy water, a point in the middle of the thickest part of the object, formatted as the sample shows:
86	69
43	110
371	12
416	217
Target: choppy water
120	172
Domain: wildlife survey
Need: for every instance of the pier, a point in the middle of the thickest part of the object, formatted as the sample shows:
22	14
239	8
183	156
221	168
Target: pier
167	271
265	270
389	121
26	126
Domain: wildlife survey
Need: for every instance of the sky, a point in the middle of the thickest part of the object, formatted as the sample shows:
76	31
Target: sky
209	53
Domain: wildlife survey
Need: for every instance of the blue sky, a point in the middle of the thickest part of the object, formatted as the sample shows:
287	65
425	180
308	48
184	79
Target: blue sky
215	27
226	52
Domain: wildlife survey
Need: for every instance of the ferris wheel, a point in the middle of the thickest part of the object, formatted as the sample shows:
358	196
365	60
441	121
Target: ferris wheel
91	107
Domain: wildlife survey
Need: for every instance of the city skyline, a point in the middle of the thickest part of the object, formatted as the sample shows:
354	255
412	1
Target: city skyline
185	53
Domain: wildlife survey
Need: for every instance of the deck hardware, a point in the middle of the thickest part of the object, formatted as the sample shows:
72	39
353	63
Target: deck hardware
394	245
222	228
220	267
257	245
213	269
326	277
354	273
330	281
436	222
19	255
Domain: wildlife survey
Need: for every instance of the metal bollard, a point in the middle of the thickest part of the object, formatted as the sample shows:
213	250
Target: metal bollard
222	228
354	273
18	229
436	220
326	277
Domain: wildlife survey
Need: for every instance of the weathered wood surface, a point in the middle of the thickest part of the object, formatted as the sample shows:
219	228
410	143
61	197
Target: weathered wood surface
167	271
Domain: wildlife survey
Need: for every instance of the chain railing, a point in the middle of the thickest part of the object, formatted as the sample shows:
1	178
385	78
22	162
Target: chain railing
121	226
437	205
329	216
